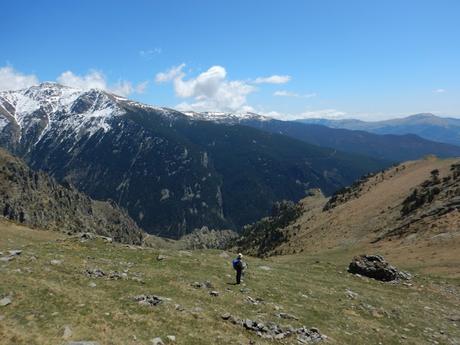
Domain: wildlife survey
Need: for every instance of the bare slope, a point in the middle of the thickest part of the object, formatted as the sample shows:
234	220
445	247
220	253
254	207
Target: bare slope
375	215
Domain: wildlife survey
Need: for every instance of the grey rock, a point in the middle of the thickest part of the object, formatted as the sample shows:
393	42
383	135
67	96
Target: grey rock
287	316
350	294
5	301
67	332
375	266
197	285
265	268
157	341
161	257
148	300
56	262
15	252
95	273
171	338
225	316
92	285
214	293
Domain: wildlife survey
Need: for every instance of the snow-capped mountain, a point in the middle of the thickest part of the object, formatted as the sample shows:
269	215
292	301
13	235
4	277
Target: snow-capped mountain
229	118
29	114
173	172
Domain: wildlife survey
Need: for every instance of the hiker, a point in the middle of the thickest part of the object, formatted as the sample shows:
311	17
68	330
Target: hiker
239	265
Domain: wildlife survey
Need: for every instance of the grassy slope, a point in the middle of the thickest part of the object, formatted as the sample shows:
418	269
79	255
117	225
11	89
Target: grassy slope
47	297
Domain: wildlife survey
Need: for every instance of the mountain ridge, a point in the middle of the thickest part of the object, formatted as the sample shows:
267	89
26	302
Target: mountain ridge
171	172
425	125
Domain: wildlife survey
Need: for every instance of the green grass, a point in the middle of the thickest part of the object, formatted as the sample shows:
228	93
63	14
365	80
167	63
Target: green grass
46	298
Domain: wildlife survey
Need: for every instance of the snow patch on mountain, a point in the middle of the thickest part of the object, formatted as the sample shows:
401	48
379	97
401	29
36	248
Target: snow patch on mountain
222	117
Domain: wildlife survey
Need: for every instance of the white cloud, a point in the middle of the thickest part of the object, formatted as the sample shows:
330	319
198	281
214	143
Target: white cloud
96	80
284	93
171	74
10	79
274	79
209	91
141	87
150	53
323	114
439	91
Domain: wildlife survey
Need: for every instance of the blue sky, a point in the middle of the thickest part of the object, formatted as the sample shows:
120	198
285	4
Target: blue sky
290	59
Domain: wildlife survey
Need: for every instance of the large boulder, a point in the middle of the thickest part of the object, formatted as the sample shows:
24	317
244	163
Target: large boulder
375	266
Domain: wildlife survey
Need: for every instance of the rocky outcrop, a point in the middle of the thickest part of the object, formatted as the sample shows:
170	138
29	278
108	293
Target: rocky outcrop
208	239
37	200
375	266
273	331
266	234
429	201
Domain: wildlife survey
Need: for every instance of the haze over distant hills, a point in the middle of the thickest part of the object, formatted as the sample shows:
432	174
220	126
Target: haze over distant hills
389	147
426	125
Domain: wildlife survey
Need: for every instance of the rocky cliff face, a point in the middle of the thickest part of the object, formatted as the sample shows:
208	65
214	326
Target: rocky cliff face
35	199
172	173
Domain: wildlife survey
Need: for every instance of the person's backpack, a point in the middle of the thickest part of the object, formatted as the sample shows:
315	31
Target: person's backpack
237	264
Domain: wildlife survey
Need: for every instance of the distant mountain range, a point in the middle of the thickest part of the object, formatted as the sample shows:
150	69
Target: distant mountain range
389	147
171	172
428	126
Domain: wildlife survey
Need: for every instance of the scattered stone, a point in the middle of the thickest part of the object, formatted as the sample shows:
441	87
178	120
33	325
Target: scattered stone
277	332
454	318
86	236
95	273
5	301
375	266
56	262
207	284
178	307
171	338
157	341
350	294
265	268
138	279
6	258
117	275
15	252
287	316
197	310
92	285
254	301
161	257
214	293
225	316
148	300
67	332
